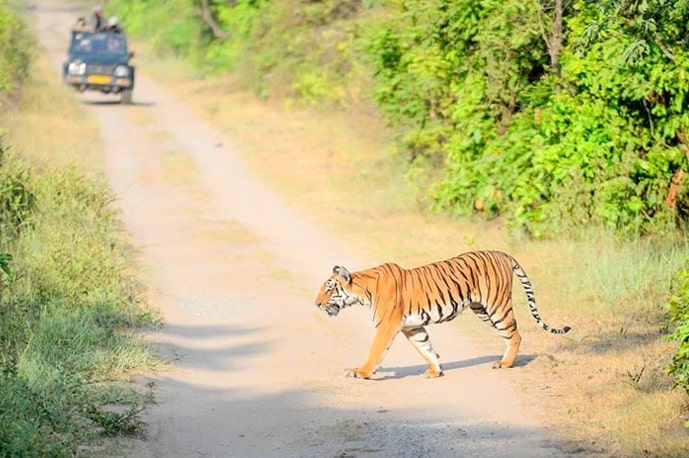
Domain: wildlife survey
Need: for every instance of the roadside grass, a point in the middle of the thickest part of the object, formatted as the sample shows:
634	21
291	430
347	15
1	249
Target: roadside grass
49	127
605	384
70	318
603	387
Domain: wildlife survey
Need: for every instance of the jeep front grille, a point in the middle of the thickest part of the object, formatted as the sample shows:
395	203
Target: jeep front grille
99	69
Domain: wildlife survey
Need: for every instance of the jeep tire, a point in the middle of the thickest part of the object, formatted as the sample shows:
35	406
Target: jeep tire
126	97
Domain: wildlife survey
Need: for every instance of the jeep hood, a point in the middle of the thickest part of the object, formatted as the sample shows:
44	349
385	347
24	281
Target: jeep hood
100	58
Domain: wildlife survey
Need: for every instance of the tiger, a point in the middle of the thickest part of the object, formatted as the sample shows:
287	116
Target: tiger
407	300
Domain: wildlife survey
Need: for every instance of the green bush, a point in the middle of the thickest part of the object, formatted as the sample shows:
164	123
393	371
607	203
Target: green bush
594	142
679	321
5	260
16	201
15	49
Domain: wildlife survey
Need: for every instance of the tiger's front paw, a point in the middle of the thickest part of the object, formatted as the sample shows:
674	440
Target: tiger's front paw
356	373
433	373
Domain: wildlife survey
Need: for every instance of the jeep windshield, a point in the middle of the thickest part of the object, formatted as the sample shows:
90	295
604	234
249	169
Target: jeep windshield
99	42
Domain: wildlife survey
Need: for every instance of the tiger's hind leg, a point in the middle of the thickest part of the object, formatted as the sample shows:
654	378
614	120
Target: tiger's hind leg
512	341
503	320
419	338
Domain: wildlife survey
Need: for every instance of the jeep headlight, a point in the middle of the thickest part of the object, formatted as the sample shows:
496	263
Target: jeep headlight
121	71
76	68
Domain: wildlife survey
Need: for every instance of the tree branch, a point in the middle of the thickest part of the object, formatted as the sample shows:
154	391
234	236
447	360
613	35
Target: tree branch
553	41
665	51
204	12
542	27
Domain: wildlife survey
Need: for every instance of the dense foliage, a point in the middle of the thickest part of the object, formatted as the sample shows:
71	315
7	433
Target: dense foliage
594	137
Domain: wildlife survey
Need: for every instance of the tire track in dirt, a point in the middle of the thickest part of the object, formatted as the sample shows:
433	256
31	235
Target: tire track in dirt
256	370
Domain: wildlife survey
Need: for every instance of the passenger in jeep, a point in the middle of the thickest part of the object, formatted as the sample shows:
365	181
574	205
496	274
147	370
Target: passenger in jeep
113	25
81	24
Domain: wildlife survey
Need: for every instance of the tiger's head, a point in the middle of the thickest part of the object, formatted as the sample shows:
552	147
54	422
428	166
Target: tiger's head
337	292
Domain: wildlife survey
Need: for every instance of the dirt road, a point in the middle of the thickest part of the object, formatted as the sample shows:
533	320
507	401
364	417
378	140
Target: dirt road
257	370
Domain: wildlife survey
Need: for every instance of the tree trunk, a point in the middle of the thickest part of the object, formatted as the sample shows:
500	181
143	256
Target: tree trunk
553	37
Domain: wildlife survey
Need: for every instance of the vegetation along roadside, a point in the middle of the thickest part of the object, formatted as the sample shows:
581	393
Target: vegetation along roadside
70	302
552	129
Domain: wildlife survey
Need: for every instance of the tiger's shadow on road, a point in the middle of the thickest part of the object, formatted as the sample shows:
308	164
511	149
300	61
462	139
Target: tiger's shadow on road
399	372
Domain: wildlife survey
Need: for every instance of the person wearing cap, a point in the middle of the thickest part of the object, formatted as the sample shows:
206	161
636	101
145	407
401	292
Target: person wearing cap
113	25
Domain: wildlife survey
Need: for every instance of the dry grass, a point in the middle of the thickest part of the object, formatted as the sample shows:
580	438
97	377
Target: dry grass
49	126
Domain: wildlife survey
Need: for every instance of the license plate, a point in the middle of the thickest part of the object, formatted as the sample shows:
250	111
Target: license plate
99	79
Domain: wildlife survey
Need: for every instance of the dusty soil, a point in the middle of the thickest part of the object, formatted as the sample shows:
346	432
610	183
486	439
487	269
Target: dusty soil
256	369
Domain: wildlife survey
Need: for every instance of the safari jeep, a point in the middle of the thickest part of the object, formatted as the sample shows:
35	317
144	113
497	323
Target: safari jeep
99	61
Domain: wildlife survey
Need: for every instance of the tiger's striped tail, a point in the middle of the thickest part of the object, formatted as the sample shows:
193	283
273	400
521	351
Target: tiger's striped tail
528	289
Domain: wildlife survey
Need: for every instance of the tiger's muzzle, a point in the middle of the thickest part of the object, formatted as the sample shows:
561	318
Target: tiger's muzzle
330	309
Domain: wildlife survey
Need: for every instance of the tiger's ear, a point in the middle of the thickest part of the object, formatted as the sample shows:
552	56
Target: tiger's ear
343	272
